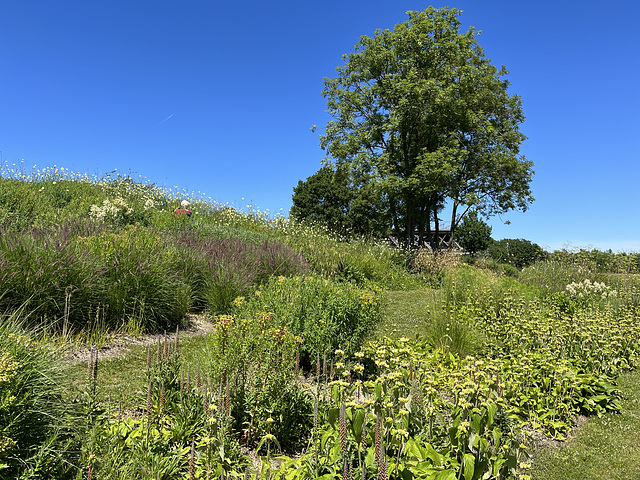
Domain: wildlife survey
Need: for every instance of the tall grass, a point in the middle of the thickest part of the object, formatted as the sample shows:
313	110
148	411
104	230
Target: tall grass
36	423
357	259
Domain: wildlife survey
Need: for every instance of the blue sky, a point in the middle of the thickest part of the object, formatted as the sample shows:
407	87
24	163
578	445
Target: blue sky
219	97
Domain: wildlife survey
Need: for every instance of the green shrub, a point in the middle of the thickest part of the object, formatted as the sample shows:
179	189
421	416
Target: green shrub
327	315
255	361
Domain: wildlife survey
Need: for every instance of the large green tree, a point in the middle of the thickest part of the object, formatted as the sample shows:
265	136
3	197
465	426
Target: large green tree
424	111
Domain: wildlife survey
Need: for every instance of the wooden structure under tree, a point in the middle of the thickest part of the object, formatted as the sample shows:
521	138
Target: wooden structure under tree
442	239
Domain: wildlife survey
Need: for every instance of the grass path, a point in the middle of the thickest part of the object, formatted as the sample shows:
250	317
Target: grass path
407	312
121	374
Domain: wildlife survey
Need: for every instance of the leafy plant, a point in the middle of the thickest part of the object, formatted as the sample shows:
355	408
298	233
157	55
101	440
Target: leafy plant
254	362
325	314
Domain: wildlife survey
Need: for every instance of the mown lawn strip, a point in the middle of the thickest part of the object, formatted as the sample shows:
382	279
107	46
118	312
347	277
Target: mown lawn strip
602	448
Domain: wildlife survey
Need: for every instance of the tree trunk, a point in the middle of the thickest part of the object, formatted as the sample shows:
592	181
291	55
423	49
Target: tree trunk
428	223
437	227
453	221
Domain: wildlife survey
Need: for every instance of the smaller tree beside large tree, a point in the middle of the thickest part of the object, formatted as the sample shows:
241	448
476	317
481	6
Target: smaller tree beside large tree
346	202
474	234
324	197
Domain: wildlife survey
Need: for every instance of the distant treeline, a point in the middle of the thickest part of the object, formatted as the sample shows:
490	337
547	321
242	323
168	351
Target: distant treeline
598	261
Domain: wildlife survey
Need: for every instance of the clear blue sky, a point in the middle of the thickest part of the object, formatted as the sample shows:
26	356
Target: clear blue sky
219	97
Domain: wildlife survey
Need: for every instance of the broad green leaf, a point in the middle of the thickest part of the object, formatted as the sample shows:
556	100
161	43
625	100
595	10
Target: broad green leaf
469	465
357	422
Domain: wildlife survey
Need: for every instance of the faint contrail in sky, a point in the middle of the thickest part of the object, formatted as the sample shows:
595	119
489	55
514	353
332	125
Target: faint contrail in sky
166	119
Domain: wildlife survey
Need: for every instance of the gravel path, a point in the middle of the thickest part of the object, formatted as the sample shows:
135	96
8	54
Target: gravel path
196	325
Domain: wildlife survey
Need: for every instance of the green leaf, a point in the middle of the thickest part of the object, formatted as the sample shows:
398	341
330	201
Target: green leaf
492	408
333	416
413	450
357	423
469	466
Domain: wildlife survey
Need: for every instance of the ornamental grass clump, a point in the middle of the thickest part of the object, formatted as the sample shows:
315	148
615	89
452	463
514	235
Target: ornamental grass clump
82	279
218	270
37	424
355	259
139	289
46	271
433	266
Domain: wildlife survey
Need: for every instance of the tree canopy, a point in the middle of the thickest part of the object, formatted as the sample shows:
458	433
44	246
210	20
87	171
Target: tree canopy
426	115
474	235
342	201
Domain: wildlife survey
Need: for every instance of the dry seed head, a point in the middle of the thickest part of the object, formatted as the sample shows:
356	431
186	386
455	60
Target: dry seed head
192	461
220	399
346	471
148	358
378	440
162	395
166	345
227	400
315	415
382	468
149	399
95	367
324	365
343	429
90	364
